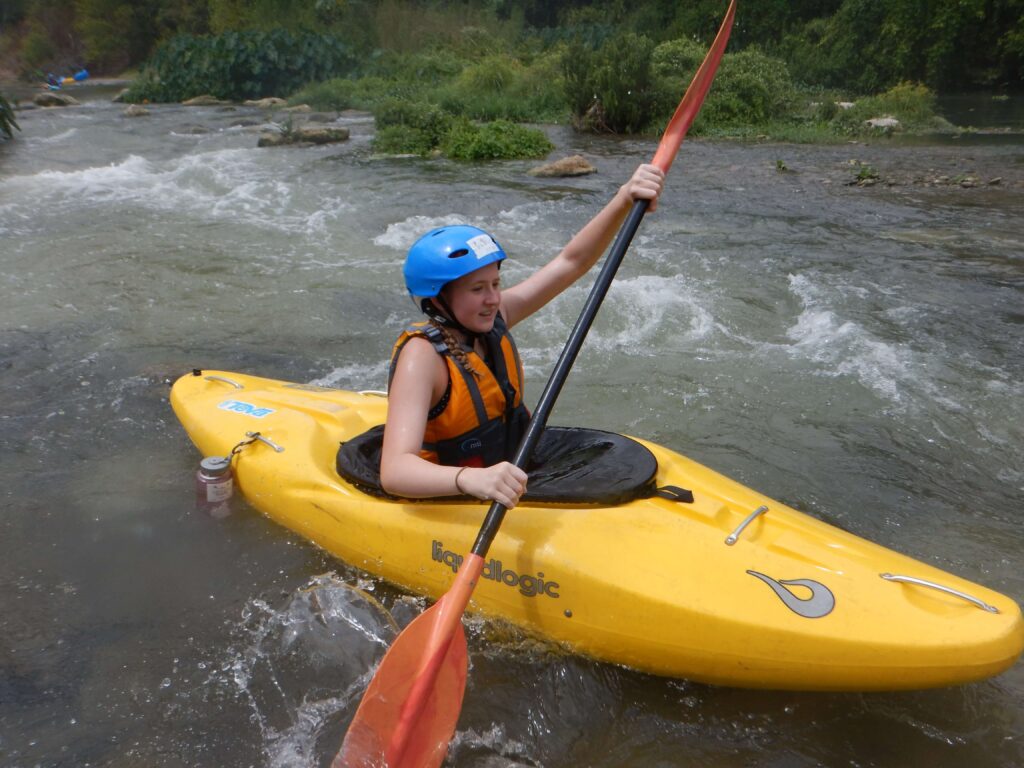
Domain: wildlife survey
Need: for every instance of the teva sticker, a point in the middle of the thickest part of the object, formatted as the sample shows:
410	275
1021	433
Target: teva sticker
482	245
247	409
819	604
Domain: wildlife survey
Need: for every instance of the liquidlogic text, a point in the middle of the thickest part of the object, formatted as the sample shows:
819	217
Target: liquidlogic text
530	586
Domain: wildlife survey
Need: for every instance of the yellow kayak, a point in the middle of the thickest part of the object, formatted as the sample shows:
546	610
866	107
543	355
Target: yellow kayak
725	586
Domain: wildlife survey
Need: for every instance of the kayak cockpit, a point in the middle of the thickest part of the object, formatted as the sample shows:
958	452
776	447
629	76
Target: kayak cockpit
569	465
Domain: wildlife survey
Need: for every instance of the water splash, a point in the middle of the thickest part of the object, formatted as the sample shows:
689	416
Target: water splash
303	666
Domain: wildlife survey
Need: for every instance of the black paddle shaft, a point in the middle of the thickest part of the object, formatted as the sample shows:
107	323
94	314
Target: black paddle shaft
553	388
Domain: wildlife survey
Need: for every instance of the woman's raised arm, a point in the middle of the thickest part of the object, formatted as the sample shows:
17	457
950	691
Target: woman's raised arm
582	252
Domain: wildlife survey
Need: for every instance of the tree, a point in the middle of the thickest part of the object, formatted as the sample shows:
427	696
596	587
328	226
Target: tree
105	28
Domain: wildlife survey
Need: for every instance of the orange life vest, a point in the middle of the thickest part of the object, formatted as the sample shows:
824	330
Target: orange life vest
481	417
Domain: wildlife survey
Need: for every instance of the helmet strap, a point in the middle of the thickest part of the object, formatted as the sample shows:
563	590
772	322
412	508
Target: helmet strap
446	318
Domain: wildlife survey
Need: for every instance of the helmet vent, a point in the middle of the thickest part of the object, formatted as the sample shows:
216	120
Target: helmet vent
458	254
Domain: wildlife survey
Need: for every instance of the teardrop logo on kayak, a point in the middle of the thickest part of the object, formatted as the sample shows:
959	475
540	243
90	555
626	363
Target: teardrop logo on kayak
820	603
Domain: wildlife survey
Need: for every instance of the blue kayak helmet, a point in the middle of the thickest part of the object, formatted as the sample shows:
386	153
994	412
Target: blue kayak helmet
445	254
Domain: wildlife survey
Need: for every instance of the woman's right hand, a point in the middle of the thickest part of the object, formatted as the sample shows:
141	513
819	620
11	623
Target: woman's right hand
646	183
504	483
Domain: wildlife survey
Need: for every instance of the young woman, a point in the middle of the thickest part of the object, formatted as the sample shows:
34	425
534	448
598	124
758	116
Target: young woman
455	411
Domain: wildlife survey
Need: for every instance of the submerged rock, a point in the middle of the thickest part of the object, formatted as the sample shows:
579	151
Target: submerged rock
885	124
53	99
271	102
206	100
303	135
135	110
574	165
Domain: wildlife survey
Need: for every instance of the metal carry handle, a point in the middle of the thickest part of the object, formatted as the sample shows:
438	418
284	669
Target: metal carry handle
214	377
941	588
267	440
733	537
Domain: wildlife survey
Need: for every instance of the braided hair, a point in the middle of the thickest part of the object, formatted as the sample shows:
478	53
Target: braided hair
455	349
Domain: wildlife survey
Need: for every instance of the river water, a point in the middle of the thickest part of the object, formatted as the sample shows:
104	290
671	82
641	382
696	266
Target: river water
855	352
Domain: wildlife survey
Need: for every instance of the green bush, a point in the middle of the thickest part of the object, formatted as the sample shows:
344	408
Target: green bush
241	65
499	140
750	87
494	86
7	121
425	117
677	58
610	88
624	83
420	128
338	93
482	90
409	127
343	93
911	103
590	35
501	87
403	140
539	88
426	68
578	62
491	74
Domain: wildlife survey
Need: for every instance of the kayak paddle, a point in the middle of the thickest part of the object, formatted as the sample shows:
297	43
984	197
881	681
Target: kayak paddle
411	707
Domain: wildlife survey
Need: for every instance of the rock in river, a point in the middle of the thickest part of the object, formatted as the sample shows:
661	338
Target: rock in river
574	165
303	135
52	99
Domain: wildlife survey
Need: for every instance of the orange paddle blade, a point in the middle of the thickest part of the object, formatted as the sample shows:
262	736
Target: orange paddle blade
688	108
409	712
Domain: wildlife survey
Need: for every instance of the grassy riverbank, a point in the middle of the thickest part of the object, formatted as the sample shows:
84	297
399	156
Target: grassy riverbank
467	100
754	97
432	73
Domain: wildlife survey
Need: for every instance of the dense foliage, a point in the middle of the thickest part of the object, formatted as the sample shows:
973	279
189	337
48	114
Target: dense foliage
496	140
409	127
610	87
433	71
869	45
419	128
241	65
914	104
860	45
624	85
7	122
628	85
